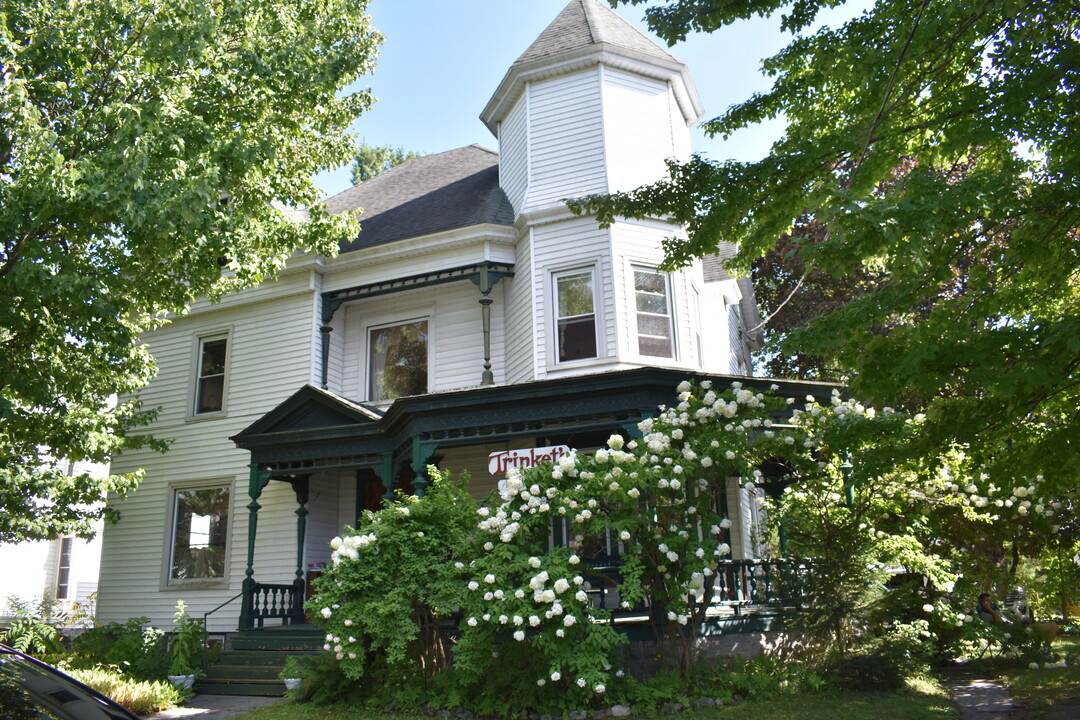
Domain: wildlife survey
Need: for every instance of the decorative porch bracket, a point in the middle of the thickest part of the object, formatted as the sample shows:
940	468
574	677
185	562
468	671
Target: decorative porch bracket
334	299
421	451
385	472
257	480
485	279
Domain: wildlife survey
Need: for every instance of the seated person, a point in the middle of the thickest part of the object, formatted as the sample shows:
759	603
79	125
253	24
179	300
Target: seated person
987	610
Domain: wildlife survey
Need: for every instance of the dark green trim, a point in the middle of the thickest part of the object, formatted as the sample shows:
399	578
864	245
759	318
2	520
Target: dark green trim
482	274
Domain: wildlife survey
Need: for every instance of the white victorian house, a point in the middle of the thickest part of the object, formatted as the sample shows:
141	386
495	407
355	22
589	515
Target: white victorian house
473	315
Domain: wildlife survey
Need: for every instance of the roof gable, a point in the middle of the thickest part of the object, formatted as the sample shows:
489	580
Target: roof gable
309	408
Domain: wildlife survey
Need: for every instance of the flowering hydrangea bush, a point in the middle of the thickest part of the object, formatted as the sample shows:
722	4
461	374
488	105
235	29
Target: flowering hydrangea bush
655	501
392	581
533	576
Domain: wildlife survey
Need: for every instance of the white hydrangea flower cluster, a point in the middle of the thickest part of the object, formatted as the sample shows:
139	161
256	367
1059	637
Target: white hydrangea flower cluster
349	547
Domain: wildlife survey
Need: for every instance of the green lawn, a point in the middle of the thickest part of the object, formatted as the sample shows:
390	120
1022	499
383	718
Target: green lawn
925	701
1051	692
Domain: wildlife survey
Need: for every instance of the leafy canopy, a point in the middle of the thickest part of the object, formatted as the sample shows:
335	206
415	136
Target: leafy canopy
146	152
370	160
934	143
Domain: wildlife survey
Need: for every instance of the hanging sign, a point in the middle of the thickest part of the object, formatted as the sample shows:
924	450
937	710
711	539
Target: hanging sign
500	462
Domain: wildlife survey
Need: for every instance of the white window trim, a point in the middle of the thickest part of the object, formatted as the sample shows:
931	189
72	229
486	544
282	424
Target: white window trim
199	339
387	320
553	276
673	325
167	580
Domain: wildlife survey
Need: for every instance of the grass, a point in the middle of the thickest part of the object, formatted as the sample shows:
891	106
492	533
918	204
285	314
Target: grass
1050	692
924	700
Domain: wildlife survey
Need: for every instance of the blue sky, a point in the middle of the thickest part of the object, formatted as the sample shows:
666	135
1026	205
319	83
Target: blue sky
441	61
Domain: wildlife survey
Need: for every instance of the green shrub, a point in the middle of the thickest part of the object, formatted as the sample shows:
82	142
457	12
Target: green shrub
185	647
34	629
876	670
139	696
324	681
134	647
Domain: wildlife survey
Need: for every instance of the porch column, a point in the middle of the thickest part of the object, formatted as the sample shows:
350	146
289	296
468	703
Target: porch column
300	489
257	480
485	279
421	451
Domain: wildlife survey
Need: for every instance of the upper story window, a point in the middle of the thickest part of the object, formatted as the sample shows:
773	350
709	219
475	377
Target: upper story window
398	360
200	529
653	304
210	380
63	569
575	315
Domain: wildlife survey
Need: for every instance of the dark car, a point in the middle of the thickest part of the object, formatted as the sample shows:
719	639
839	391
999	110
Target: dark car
31	690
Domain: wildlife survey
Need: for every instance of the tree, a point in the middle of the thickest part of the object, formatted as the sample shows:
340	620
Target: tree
932	142
147	151
371	160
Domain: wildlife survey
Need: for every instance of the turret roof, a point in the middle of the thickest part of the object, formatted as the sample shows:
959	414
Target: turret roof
589	22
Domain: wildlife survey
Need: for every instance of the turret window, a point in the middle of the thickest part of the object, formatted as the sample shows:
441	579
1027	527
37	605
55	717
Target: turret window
575	315
653	304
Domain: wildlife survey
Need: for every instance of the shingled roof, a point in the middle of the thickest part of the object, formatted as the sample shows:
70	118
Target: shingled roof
589	22
426	195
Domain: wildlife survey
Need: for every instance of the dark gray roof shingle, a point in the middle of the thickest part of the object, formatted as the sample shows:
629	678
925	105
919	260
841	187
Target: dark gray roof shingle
590	22
426	195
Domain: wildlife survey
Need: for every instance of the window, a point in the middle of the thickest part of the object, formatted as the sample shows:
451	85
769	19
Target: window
63	570
653	313
200	526
210	381
575	315
398	360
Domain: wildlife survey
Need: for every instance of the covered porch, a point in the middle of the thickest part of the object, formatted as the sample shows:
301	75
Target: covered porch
316	434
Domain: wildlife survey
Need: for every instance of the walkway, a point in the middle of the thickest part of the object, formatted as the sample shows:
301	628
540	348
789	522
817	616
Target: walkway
979	698
214	707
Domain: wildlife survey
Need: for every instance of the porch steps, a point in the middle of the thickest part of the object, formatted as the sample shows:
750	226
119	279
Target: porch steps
254	658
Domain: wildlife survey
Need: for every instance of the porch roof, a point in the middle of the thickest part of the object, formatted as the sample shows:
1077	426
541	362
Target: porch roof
315	429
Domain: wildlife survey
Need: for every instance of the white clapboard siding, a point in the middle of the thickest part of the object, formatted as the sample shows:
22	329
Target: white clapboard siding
269	359
455	335
514	152
637	129
635	244
566	142
568	245
518	295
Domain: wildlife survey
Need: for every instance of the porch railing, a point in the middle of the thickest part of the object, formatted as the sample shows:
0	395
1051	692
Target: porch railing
266	601
740	585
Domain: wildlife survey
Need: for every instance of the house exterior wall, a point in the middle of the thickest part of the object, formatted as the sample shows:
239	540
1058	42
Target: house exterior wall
270	350
514	152
566	138
639	134
564	245
519	300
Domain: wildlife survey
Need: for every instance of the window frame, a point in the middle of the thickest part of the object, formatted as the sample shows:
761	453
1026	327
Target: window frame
673	347
65	552
222	580
556	346
201	341
368	374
